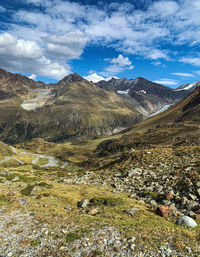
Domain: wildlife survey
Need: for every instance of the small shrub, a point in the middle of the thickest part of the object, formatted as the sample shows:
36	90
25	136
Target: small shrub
109	201
27	190
70	237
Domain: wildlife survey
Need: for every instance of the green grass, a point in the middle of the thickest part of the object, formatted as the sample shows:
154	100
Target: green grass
27	190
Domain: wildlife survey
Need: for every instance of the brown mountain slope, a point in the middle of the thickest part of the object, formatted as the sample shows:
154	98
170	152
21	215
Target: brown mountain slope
178	125
72	108
188	110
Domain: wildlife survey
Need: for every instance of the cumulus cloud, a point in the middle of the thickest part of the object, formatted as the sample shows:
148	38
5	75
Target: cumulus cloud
183	74
67	46
33	77
167	82
62	29
26	56
117	65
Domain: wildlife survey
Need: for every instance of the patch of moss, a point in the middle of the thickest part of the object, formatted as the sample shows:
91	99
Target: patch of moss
70	237
35	242
109	201
4	200
45	195
44	184
27	190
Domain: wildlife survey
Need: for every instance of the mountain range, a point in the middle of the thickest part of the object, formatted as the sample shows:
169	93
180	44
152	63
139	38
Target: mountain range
146	96
75	108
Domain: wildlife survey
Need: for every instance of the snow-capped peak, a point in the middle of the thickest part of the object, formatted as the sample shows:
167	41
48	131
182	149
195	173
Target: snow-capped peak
94	77
188	86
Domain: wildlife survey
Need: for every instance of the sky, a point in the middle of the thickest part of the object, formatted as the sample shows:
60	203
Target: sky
49	39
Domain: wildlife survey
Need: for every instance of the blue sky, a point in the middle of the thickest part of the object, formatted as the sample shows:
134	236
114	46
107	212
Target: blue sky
155	39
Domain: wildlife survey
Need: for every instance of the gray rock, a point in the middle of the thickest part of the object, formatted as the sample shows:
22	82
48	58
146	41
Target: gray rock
198	191
15	179
153	203
187	221
134	172
84	203
131	211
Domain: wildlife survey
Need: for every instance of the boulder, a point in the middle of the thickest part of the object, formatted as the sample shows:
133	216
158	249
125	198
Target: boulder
83	203
163	210
187	221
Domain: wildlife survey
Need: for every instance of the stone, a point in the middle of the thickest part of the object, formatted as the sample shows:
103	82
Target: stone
193	197
11	193
131	211
132	247
197	215
15	179
134	172
187	221
68	208
198	191
93	211
153	203
170	195
84	203
163	210
191	214
131	240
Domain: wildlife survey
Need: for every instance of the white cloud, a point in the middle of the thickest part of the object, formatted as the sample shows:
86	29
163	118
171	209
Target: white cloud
167	82
147	32
117	65
157	54
67	46
195	61
121	61
28	57
183	74
33	77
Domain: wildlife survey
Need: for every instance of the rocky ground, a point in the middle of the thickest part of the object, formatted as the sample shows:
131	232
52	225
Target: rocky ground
128	206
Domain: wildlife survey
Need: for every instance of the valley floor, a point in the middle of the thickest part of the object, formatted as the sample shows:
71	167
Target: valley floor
104	211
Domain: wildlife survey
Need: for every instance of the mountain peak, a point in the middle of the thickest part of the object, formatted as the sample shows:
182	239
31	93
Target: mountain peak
74	77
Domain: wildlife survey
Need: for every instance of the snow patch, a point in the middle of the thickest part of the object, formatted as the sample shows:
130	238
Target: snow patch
96	78
121	92
143	91
164	108
188	87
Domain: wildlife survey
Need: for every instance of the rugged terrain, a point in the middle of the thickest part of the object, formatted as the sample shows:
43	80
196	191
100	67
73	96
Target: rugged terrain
72	108
146	96
119	195
108	209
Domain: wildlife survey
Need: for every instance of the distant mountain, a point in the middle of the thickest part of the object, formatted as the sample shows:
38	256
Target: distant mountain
188	87
96	78
186	111
146	96
70	109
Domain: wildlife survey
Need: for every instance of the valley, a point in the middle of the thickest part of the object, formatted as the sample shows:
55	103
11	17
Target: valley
115	194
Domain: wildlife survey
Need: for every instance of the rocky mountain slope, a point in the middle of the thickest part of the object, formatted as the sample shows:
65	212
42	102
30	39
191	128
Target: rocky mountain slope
72	108
187	110
146	96
189	87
